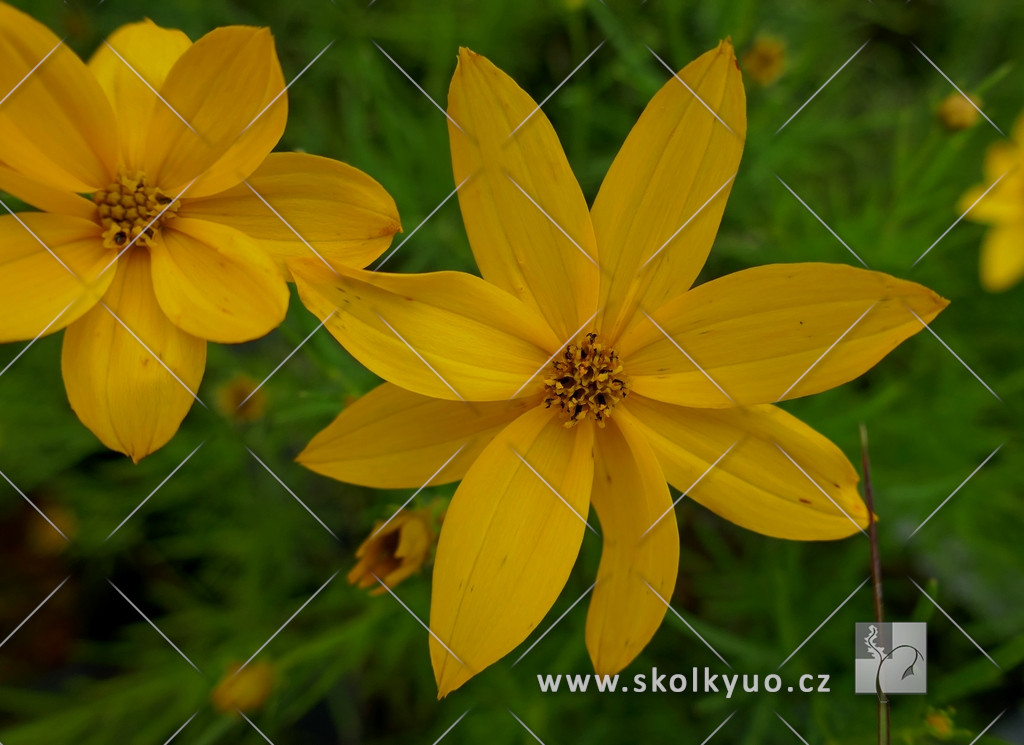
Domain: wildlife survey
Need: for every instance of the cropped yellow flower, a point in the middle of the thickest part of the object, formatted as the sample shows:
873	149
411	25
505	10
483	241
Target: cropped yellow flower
173	244
1002	251
765	60
243	690
958	112
568	376
394	551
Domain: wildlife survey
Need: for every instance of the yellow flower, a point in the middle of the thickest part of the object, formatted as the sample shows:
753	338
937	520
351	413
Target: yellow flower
1002	208
394	551
765	60
173	245
957	112
241	400
939	722
246	690
568	375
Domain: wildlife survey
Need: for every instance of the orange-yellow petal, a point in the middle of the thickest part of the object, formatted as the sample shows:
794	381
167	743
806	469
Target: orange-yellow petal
295	199
44	197
772	332
115	384
217	283
675	169
640	559
1001	199
131	65
43	290
392	438
222	87
508	543
55	123
542	251
780	477
445	334
1002	257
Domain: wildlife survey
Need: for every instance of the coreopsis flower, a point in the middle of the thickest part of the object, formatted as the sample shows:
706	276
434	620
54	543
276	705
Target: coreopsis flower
959	111
1002	209
394	550
245	689
582	370
765	60
152	169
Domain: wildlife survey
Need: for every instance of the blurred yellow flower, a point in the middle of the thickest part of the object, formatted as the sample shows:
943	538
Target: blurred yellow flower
42	540
174	245
245	690
1002	208
765	60
939	723
957	112
241	400
394	550
581	370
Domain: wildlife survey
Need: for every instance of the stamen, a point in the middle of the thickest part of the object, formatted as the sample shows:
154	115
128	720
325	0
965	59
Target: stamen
127	207
586	382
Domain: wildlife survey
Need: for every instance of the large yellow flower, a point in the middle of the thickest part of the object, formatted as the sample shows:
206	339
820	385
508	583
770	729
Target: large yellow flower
581	370
177	241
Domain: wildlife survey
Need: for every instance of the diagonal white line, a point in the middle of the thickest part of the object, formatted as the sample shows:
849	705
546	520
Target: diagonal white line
950	350
253	725
825	224
418	86
558	352
718	728
154	91
289	226
39	240
687	624
34	610
823	354
848	598
289	85
965	213
158	487
294	495
692	91
553	490
998	716
445	733
532	733
950	81
154	356
36	338
290	355
685	354
818	487
555	623
813	95
33	506
691	487
409	610
425	485
30	72
290	619
155	627
421	358
690	219
799	736
950	619
557	87
423	222
178	731
552	221
953	493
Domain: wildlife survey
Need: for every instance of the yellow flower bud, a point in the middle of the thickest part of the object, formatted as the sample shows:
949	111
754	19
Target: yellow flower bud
245	690
956	112
240	400
765	60
939	723
394	551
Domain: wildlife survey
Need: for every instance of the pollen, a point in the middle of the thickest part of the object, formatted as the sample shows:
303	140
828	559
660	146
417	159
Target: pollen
586	382
130	210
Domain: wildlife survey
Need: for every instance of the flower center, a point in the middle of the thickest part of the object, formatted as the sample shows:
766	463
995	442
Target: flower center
586	380
131	210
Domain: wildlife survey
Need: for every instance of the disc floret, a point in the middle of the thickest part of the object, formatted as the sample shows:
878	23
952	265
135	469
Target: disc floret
586	381
132	210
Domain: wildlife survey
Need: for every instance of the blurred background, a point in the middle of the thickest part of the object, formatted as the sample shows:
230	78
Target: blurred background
221	556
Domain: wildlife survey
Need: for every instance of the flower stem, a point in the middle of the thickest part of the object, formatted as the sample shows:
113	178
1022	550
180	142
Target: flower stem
884	721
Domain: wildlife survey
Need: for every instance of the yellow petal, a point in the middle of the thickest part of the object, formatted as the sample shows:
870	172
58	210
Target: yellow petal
445	334
44	197
34	287
1002	257
393	439
773	332
641	546
55	123
119	390
516	245
1002	202
216	283
756	484
508	543
220	85
343	215
673	166
131	66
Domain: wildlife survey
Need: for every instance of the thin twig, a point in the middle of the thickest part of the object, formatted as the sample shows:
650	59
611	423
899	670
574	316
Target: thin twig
884	721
